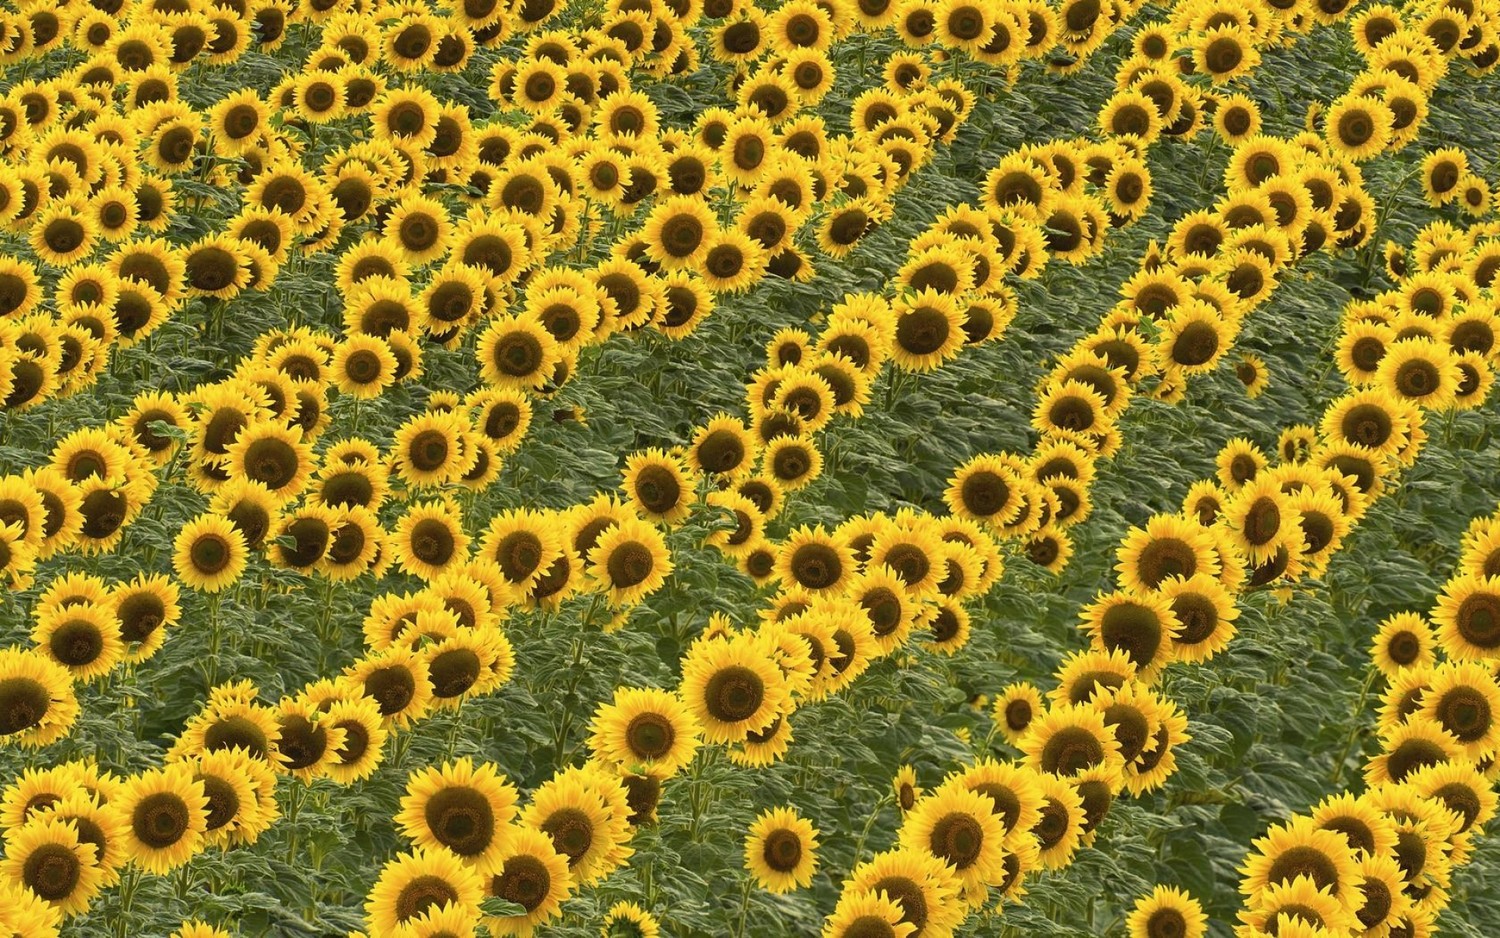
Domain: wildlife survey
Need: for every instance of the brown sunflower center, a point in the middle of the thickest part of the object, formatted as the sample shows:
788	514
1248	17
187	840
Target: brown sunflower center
923	330
391	688
1466	713
817	566
630	564
1071	750
1417	378
650	735
160	820
908	894
76	643
734	694
957	838
523	880
52	871
1478	620
783	850
423	894
461	818
572	833
1198	616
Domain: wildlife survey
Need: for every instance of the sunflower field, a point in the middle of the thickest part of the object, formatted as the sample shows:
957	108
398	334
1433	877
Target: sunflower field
739	468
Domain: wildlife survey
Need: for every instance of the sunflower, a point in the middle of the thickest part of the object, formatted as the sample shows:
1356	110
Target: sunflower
1262	520
733	687
524	544
209	553
48	857
1422	741
1462	788
1443	171
867	914
1071	739
722	447
88	814
360	721
166	813
1300	850
83	637
645	726
145	607
781	850
1168	546
531	873
1464	700
986	488
1358	127
364	366
517	352
1420	371
627	918
460	807
1071	406
397	680
630	560
274	455
585	813
923	887
815	560
428	449
429	539
229	778
420	883
1167	912
1206	611
1142	624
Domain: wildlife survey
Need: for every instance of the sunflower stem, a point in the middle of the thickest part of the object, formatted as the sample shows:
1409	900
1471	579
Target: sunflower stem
859	845
744	908
129	881
215	638
1354	728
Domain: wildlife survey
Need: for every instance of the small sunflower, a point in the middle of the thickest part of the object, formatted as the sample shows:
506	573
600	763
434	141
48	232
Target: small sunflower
781	850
